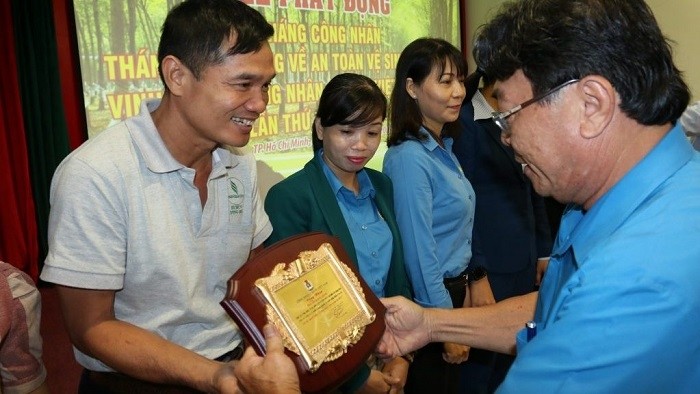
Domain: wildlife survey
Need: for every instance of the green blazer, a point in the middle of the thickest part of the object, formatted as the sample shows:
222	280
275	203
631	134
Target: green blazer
305	202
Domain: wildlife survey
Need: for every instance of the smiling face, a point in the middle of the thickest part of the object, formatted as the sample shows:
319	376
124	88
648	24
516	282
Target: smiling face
347	148
222	105
545	138
439	97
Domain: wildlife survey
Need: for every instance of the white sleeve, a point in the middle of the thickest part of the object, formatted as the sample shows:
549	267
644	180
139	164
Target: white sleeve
690	120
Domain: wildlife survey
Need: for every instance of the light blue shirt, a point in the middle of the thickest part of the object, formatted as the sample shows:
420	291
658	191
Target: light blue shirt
619	306
434	205
370	233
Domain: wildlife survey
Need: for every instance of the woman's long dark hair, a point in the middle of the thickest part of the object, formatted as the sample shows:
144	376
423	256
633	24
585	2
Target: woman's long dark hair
416	61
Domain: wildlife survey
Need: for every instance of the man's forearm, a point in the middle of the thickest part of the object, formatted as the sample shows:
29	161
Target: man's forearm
129	349
146	356
491	327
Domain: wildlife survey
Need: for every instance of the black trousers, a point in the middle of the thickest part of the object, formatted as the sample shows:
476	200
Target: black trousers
429	373
92	382
485	370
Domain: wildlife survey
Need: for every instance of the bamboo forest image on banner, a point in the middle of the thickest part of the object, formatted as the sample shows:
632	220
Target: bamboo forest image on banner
313	41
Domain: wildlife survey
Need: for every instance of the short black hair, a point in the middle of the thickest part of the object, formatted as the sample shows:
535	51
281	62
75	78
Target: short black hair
194	31
349	99
553	41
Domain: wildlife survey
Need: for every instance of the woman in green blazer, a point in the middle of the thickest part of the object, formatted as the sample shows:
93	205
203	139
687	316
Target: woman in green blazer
334	193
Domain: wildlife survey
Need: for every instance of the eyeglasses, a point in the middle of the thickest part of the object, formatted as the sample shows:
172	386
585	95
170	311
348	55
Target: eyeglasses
500	117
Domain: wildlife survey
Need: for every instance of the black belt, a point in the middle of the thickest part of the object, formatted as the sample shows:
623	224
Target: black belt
93	382
458	281
234	354
457	288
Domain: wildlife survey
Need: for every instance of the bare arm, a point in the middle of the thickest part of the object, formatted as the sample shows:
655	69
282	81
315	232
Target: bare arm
376	383
89	317
397	369
480	293
491	327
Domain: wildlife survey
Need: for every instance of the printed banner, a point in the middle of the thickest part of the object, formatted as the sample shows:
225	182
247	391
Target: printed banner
314	40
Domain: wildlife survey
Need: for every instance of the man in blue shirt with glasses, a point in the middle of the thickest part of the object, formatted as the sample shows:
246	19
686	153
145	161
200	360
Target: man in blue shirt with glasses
589	97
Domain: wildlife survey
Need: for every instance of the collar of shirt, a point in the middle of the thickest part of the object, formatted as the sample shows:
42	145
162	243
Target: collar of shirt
156	155
444	154
431	143
583	231
366	187
482	109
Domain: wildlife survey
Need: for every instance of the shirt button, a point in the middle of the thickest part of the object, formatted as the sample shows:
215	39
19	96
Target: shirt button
377	282
374	254
469	241
470	197
364	227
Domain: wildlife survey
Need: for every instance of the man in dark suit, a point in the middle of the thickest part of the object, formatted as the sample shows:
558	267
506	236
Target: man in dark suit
510	221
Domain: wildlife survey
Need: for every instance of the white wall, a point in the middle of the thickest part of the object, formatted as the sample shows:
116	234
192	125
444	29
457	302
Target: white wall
676	18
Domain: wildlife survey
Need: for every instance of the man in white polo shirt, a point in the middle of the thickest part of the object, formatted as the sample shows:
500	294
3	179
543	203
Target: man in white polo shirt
151	217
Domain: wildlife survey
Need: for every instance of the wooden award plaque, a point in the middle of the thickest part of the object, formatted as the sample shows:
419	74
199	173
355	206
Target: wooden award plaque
308	288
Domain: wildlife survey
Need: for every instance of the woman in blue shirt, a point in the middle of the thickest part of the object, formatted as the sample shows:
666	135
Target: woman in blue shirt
334	193
434	200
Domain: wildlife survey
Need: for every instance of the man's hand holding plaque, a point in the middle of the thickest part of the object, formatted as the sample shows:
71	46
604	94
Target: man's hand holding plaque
307	287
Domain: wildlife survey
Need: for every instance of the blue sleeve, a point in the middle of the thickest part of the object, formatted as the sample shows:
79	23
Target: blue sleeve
413	203
639	342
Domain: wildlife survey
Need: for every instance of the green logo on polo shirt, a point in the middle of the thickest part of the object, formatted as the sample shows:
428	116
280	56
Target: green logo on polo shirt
235	196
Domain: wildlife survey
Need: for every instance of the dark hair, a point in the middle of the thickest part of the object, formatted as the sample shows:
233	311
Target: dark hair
416	62
348	99
553	41
471	83
194	31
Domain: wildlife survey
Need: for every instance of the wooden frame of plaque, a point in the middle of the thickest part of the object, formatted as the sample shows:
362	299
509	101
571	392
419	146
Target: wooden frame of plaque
308	288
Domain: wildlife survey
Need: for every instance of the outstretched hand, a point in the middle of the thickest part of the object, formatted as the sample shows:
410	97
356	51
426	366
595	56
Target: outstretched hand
407	328
273	373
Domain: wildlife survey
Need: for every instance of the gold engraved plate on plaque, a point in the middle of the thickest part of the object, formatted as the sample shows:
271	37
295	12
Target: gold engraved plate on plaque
317	304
